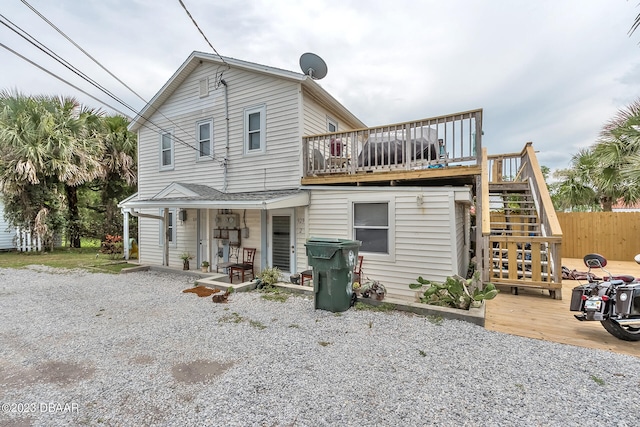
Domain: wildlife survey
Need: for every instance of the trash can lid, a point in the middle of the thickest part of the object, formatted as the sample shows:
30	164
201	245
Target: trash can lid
332	241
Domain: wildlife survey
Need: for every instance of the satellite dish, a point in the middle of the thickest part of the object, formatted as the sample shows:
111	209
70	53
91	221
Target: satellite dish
313	66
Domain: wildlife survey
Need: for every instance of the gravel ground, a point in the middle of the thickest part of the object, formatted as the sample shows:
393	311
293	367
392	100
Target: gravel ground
79	348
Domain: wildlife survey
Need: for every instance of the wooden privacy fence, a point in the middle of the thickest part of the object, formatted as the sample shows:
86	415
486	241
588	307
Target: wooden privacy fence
615	235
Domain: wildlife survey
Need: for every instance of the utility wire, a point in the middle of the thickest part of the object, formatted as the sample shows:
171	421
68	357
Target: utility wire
80	48
84	76
205	37
52	54
28	37
159	131
137	113
218	79
60	78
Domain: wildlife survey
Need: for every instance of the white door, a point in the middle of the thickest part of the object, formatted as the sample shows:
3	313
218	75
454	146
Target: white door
282	248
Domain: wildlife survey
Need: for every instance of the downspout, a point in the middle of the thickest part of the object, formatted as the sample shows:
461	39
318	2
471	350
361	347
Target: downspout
226	143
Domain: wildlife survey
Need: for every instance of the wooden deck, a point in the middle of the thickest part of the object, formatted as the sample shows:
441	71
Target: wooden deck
534	314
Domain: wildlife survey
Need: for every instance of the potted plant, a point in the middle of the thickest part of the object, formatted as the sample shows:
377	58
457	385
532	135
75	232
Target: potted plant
204	266
373	289
185	257
268	277
357	288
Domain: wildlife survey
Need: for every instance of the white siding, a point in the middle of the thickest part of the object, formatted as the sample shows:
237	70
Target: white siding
315	118
187	240
7	233
276	169
424	234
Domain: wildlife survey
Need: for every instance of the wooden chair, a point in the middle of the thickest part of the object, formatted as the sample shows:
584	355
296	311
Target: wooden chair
357	272
248	255
307	274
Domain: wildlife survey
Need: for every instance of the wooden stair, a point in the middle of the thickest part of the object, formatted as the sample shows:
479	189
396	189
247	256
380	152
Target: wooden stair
518	256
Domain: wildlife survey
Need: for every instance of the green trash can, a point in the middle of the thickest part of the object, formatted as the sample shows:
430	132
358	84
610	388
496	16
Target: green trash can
333	261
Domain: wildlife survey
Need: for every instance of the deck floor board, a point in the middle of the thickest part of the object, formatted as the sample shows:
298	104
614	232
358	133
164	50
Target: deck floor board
532	313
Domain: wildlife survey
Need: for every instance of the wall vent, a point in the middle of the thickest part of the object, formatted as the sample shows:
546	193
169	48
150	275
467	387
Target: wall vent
204	87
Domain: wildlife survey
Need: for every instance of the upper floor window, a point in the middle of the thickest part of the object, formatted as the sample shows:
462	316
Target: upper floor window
371	226
332	125
166	150
255	129
204	132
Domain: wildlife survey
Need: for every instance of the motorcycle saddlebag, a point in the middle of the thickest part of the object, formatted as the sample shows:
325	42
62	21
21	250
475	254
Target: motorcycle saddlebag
628	299
577	303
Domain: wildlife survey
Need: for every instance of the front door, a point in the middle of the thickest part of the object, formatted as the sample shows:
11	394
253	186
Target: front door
282	236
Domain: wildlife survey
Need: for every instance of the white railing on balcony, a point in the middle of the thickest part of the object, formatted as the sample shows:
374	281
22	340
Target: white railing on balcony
437	142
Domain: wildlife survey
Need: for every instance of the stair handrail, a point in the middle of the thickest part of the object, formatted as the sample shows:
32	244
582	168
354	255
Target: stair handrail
547	210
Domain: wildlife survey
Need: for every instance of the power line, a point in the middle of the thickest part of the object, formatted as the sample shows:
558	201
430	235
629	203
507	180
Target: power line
28	37
137	113
60	78
160	130
80	48
205	38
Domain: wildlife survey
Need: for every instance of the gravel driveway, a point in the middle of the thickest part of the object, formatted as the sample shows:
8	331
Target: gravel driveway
79	348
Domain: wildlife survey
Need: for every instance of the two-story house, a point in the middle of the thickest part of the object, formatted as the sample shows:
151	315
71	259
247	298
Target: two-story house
233	154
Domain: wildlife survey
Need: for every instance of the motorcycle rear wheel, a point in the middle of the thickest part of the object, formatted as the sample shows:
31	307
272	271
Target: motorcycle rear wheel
626	333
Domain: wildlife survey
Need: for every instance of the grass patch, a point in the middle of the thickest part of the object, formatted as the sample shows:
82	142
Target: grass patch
597	380
422	353
231	318
294	325
324	343
275	294
435	319
257	324
68	258
384	307
236	318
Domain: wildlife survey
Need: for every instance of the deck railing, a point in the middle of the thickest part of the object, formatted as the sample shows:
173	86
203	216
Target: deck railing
437	142
530	260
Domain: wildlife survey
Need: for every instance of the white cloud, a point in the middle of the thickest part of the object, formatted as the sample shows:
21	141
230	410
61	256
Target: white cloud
545	71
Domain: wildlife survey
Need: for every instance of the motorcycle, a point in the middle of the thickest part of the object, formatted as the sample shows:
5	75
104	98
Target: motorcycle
614	301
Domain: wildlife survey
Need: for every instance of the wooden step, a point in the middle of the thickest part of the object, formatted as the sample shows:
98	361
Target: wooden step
510	186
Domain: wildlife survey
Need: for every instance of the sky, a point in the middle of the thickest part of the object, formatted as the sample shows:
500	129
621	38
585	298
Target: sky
547	71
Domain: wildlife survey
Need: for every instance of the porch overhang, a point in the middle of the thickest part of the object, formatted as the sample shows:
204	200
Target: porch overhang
197	196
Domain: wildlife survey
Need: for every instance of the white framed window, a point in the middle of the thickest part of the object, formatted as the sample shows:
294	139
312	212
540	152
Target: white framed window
204	135
166	150
372	223
332	125
255	129
172	227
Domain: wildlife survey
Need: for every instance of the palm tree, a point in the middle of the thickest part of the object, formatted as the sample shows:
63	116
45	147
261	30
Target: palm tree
619	150
575	190
49	141
119	169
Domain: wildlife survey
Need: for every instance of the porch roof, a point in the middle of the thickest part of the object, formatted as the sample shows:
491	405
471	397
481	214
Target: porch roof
198	196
